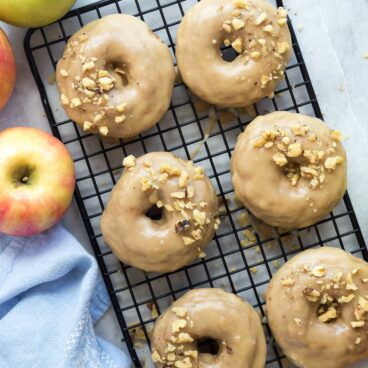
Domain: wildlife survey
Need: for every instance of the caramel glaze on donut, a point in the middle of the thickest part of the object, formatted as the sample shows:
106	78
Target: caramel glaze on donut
317	307
116	77
288	169
256	30
209	313
189	207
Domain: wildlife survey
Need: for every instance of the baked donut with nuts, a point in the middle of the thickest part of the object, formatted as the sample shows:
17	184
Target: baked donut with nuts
289	169
256	31
161	214
317	306
116	77
209	328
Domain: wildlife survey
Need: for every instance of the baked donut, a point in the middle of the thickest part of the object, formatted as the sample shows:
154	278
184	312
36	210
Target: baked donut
288	169
116	77
257	32
232	325
317	304
161	214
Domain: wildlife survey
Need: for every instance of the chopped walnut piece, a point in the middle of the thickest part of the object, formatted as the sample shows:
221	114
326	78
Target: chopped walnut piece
260	19
300	130
363	303
106	83
226	28
331	162
282	12
178	195
89	65
237	45
268	145
64	73
180	311
97	118
156	357
238	24
298	321
282	21
265	79
75	102
196	234
311	294
104	130
199	217
119	119
259	143
198	173
295	150
64	100
318	271
279	159
129	161
329	315
201	254
255	55
192	353
178	325
282	47
183	179
121	107
103	73
288	282
268	28
187	240
240	4
350	285
346	299
88	83
87	125
357	324
183	338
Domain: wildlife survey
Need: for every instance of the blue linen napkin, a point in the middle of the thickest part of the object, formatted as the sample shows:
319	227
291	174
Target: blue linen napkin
51	294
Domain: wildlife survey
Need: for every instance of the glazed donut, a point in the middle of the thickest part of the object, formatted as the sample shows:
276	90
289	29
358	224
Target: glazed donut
116	77
186	209
213	314
288	169
326	294
256	31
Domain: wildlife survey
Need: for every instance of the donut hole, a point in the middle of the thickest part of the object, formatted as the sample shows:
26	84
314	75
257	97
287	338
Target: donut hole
207	345
119	72
154	213
228	54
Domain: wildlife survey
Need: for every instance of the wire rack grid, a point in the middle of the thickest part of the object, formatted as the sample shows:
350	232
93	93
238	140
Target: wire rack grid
244	253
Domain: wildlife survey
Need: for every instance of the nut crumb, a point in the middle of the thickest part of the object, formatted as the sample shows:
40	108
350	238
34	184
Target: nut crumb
87	125
260	19
104	130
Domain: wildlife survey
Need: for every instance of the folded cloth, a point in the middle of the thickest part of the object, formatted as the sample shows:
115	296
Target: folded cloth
51	294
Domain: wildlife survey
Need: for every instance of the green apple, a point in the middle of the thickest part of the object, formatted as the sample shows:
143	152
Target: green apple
33	13
37	181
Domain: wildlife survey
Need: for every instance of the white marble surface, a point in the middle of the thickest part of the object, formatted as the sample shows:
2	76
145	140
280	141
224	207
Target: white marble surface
333	36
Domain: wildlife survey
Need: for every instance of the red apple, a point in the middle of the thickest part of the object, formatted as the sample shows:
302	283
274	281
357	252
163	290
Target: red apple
37	181
7	69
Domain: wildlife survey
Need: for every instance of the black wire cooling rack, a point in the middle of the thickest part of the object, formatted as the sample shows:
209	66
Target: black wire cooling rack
244	254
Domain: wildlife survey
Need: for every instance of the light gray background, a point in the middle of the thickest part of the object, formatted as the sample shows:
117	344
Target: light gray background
333	35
